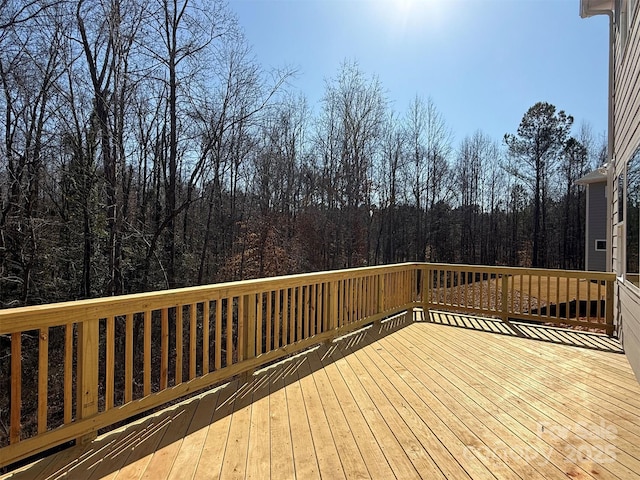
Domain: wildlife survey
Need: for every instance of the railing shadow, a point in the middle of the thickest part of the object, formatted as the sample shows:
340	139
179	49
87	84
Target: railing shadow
127	448
532	331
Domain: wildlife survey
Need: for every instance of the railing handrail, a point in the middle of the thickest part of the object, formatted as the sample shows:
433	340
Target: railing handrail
32	317
12	319
501	269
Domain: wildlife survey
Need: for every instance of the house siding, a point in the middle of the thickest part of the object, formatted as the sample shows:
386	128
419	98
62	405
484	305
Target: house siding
597	226
626	118
629	302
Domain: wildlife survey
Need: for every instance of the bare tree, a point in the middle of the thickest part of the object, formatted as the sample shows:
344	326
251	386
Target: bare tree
30	65
108	32
391	179
429	147
350	125
14	13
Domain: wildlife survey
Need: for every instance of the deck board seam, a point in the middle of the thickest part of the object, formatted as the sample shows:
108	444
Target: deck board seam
459	375
432	412
384	447
410	411
369	390
334	377
474	409
517	358
514	390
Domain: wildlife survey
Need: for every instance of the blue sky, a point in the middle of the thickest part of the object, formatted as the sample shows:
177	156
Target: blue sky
483	62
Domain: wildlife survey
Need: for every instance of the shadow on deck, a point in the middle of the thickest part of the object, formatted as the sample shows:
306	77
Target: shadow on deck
112	452
532	331
197	437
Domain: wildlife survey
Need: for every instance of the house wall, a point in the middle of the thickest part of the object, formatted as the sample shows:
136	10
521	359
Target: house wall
596	226
626	119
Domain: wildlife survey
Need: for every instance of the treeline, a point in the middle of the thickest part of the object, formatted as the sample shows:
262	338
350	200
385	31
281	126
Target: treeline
144	147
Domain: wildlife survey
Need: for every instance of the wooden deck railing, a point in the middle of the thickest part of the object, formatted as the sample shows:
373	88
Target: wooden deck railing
80	366
556	297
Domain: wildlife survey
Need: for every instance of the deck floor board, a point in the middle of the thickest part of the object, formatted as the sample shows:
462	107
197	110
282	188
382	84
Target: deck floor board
452	397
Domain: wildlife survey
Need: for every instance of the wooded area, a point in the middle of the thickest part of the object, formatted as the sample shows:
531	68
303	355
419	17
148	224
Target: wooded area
144	147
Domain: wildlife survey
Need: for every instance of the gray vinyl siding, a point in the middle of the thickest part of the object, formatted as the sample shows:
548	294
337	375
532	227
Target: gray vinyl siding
630	318
626	118
597	219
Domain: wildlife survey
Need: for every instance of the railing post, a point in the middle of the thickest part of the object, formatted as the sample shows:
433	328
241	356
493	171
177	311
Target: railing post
333	302
87	373
504	301
609	308
332	309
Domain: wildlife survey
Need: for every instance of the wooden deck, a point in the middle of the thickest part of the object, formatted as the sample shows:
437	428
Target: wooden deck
455	397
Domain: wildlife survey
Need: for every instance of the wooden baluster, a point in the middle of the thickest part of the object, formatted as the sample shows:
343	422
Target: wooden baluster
292	315
299	316
43	378
286	312
529	296
68	373
269	345
259	323
128	359
567	309
539	296
548	297
521	293
205	336
344	298
320	307
426	292
371	307
513	293
16	387
313	310
229	331
218	335
587	310
193	342
179	344
557	297
355	285
307	312
110	363
277	324
242	330
147	354
472	284
164	348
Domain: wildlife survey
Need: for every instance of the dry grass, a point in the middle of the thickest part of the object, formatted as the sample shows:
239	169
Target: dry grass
553	291
526	294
